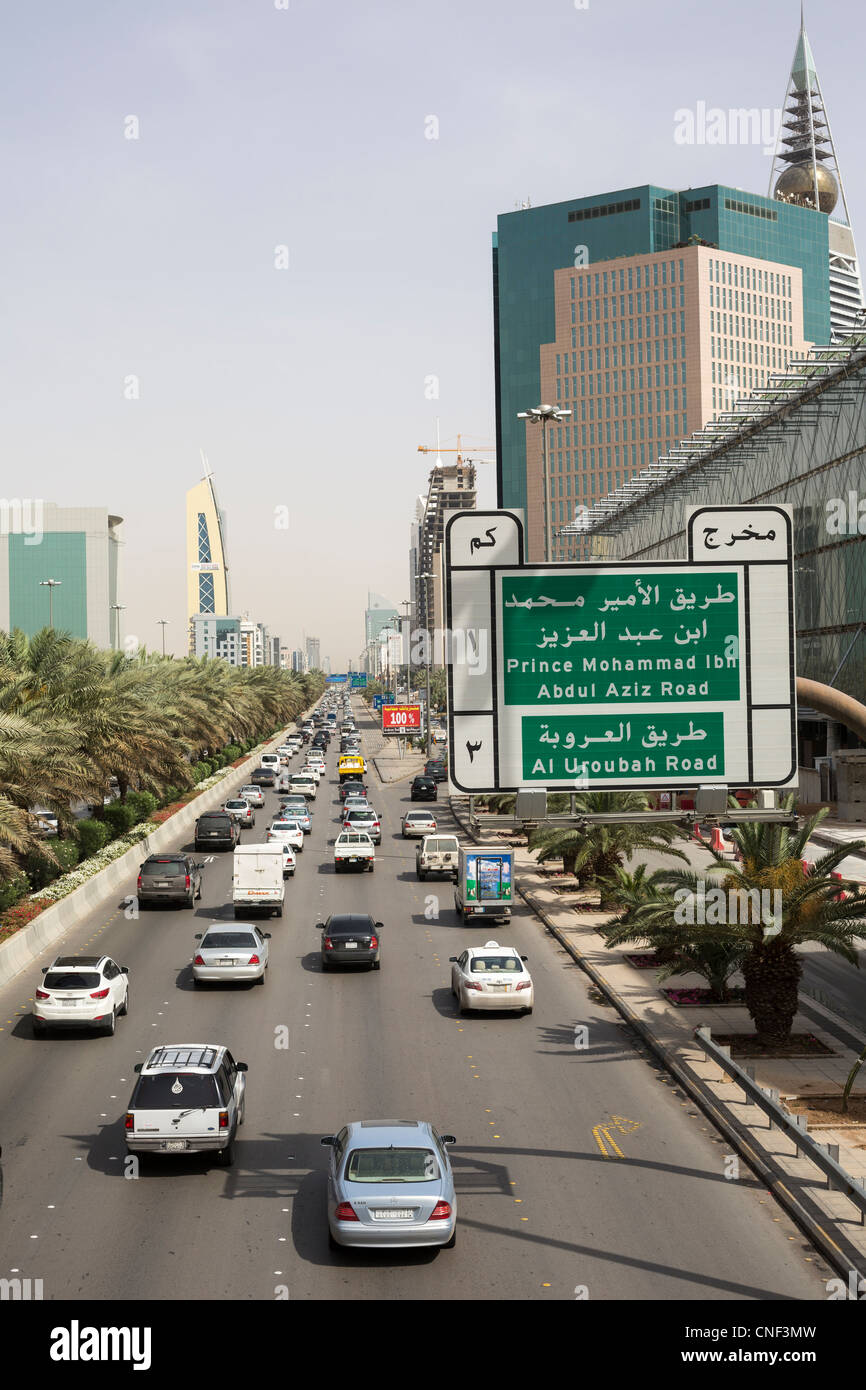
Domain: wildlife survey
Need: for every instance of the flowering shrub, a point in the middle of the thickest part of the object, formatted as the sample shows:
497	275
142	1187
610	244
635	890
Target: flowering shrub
14	918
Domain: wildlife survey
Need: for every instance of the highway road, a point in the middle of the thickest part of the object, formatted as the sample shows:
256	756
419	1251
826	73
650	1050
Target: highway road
577	1170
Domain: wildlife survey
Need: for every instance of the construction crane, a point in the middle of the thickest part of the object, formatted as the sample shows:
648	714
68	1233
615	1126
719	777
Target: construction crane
434	449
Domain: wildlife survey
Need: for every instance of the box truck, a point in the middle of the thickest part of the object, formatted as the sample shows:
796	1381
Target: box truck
484	885
257	880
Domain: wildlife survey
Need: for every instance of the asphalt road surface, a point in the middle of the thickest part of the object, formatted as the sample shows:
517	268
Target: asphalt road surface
575	1169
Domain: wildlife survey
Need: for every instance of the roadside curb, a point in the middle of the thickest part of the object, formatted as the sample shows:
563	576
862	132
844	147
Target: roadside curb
21	950
842	1256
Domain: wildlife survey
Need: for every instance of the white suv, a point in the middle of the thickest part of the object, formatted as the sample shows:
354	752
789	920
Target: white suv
81	992
189	1098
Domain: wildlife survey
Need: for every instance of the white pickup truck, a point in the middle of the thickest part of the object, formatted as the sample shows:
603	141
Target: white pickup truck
354	849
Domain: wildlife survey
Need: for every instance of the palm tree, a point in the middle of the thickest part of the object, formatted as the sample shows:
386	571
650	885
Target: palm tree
651	917
806	907
596	851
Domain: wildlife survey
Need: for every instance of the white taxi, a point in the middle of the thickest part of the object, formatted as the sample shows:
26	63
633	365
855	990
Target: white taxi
491	977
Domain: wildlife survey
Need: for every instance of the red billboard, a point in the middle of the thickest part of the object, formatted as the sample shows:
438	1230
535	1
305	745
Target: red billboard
401	719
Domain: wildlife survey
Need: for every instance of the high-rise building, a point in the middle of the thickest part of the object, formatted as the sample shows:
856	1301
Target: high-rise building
451	488
299	661
665	344
806	173
75	547
313	655
255	643
601	242
207	573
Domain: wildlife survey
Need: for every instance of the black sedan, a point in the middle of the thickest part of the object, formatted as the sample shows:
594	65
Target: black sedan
437	770
350	938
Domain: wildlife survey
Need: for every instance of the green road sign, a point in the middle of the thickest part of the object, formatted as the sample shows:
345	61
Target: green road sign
652	674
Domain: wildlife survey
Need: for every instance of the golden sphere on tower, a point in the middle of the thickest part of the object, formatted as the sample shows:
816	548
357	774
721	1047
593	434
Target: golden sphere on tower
796	185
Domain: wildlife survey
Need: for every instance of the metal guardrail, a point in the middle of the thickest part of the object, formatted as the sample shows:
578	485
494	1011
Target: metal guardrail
822	1155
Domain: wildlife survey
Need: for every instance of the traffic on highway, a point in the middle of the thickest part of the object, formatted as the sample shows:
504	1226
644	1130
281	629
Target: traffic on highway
281	1080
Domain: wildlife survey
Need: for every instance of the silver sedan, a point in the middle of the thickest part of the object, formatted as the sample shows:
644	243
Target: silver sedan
233	954
390	1184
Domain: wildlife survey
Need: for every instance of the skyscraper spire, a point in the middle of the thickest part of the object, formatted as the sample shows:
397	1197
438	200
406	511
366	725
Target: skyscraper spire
806	171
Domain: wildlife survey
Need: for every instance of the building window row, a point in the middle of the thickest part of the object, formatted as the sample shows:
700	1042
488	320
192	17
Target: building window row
605	210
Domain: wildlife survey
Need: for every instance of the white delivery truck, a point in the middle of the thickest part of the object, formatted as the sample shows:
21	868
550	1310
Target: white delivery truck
257	880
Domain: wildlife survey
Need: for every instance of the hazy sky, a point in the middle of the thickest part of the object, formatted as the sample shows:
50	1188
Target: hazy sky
305	126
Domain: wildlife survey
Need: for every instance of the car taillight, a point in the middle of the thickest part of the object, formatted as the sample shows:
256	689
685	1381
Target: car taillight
254	960
441	1212
525	984
138	885
129	1122
471	986
199	960
328	944
42	994
100	994
186	884
224	1119
345	1212
374	943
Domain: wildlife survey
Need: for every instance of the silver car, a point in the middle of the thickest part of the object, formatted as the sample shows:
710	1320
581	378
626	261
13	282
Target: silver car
253	794
296	808
390	1184
416	824
242	810
232	954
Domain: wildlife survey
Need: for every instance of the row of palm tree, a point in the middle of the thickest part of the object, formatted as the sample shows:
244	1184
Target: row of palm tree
73	717
808	905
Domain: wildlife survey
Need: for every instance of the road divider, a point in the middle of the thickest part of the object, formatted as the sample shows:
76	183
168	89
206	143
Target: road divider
21	950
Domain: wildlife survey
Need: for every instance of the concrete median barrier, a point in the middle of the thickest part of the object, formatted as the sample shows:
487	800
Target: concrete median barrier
117	880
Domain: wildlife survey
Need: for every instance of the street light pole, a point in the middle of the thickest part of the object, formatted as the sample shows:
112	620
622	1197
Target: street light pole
427	575
161	622
544	415
117	609
50	585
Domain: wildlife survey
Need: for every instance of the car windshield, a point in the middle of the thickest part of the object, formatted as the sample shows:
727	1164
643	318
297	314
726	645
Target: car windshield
162	870
360	816
229	940
392	1165
488	965
175	1091
252	789
72	979
419	817
236	805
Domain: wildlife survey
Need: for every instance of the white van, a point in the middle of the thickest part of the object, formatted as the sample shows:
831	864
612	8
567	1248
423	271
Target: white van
271	760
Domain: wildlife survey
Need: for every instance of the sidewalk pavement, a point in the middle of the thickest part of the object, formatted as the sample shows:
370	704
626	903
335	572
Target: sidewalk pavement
671	1029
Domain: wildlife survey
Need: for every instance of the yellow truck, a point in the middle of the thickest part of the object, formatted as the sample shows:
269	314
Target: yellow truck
351	765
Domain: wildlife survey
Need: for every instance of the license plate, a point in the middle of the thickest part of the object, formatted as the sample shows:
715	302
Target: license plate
69	1003
392	1214
351	945
498	989
163	883
175	1146
225	962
